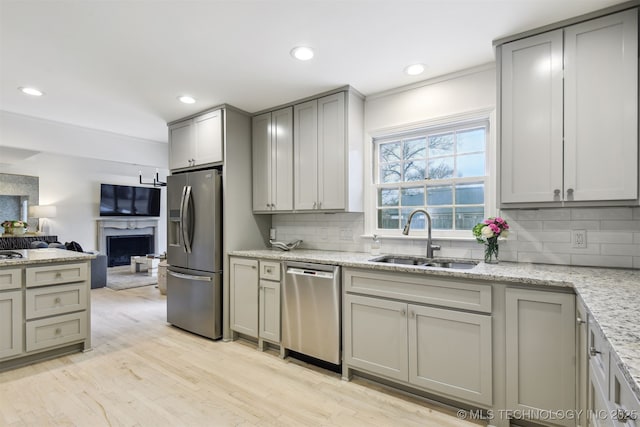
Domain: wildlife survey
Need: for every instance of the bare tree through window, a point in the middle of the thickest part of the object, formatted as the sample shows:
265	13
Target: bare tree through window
442	171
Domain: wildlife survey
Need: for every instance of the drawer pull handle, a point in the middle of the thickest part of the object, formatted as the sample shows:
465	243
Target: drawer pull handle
593	351
57	300
58	331
58	275
580	321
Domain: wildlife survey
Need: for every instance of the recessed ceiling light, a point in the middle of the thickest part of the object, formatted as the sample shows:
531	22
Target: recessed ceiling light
414	70
186	99
302	53
31	91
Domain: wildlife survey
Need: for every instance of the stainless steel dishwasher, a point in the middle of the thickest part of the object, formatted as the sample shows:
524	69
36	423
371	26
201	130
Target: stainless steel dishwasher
311	315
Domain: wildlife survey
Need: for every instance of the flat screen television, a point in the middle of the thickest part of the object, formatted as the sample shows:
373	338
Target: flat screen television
127	200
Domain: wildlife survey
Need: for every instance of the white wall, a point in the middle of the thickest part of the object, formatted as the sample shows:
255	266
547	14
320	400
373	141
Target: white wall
70	170
458	93
30	133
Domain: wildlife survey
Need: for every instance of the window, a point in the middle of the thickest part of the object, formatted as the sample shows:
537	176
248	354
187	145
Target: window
441	170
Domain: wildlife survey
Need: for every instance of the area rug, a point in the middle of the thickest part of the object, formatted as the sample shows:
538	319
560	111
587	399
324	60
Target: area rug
121	277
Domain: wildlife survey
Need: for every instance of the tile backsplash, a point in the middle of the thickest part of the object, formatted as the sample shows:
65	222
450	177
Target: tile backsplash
537	235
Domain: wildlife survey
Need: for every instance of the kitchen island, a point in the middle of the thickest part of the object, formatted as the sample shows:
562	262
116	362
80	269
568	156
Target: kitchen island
45	305
609	297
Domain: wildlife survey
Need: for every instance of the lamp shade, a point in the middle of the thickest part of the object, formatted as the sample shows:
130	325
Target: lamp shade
42	211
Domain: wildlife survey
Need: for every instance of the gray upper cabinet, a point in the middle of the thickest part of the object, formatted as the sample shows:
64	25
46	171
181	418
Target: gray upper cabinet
313	160
272	154
321	175
569	114
196	141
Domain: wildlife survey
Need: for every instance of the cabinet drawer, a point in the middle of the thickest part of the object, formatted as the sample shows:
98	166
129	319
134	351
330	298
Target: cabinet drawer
418	288
598	357
10	279
53	275
623	400
51	300
270	270
55	331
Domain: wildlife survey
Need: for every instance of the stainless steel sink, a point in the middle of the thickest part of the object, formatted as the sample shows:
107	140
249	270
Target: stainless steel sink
405	260
452	263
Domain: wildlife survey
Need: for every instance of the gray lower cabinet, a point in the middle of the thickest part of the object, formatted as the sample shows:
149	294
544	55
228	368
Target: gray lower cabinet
269	310
10	323
10	312
610	400
440	350
376	336
540	353
450	353
244	296
255	299
43	308
582	360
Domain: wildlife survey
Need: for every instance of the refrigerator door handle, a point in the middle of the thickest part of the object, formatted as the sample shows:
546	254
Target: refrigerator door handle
182	212
190	277
186	226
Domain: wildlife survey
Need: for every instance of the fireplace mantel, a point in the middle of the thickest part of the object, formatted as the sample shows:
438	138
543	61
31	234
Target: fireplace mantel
125	227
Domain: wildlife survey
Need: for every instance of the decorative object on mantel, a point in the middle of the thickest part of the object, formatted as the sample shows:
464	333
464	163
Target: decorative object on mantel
285	246
488	232
156	180
14	227
42	212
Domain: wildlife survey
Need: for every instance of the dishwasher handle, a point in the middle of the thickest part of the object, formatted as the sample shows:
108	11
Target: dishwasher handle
312	273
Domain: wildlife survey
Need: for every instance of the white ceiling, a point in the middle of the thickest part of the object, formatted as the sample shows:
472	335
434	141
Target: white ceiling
120	65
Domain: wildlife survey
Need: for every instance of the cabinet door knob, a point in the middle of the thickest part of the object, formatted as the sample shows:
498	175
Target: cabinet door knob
580	321
556	192
403	312
319	205
57	300
569	191
593	351
58	331
412	314
314	205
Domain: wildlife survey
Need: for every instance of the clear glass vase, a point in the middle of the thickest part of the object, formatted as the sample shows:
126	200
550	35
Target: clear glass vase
491	251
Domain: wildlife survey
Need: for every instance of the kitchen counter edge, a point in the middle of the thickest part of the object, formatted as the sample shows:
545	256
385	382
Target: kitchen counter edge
45	256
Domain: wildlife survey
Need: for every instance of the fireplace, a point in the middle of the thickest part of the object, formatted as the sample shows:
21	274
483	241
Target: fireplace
120	239
120	249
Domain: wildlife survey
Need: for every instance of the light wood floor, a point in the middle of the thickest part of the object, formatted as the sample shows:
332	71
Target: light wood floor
143	372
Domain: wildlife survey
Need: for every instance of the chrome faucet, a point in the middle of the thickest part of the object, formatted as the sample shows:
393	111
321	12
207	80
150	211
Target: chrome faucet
405	231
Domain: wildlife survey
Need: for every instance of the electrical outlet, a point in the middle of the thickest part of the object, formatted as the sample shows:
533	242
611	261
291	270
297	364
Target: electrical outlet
579	238
272	233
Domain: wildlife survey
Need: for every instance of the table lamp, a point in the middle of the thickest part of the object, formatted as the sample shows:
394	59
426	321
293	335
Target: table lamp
42	212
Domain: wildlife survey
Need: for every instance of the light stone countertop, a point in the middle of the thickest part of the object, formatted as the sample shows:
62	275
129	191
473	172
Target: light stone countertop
611	295
45	256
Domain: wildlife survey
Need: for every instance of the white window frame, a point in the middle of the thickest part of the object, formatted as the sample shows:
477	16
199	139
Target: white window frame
485	117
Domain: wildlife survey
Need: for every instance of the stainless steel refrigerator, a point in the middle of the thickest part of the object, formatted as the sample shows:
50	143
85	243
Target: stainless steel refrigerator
194	252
